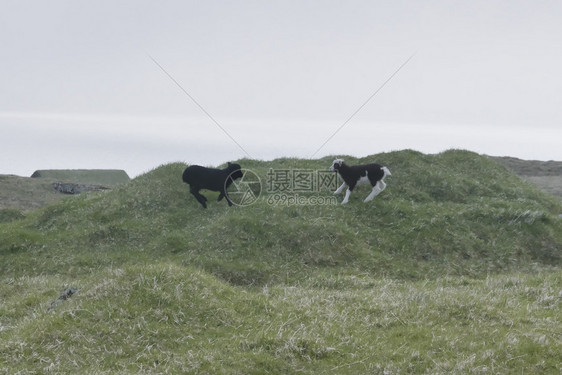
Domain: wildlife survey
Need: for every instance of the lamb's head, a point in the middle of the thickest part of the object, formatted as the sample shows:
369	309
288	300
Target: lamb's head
336	165
235	171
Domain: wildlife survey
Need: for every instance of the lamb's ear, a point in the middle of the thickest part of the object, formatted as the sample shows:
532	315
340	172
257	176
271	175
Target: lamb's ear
229	163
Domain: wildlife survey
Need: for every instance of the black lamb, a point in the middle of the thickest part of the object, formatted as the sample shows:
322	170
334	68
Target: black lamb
211	179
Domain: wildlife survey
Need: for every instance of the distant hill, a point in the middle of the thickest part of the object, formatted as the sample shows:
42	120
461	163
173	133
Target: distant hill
106	177
545	174
49	186
27	194
531	167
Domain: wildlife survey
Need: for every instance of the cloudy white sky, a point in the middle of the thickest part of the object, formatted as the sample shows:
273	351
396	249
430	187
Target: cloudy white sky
79	89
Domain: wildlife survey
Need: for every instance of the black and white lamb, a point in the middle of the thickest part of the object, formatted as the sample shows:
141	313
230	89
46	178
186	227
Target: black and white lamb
355	175
211	179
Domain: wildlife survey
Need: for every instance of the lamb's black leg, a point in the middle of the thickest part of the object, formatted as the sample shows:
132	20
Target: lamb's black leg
201	198
223	194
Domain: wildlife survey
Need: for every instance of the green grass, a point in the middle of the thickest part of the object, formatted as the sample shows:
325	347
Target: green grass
454	268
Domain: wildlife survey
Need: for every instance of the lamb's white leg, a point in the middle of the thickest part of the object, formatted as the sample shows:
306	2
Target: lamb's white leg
347	194
340	189
373	193
377	189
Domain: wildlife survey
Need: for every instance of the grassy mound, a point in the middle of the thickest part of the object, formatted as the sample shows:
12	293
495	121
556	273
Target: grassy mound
431	276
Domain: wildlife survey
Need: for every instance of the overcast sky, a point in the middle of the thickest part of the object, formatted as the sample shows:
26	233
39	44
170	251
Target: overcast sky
94	84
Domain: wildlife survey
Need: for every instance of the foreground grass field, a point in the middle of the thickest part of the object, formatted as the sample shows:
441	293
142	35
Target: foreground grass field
164	318
455	268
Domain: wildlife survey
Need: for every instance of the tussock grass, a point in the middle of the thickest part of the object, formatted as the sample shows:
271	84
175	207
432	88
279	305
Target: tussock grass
167	318
454	268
